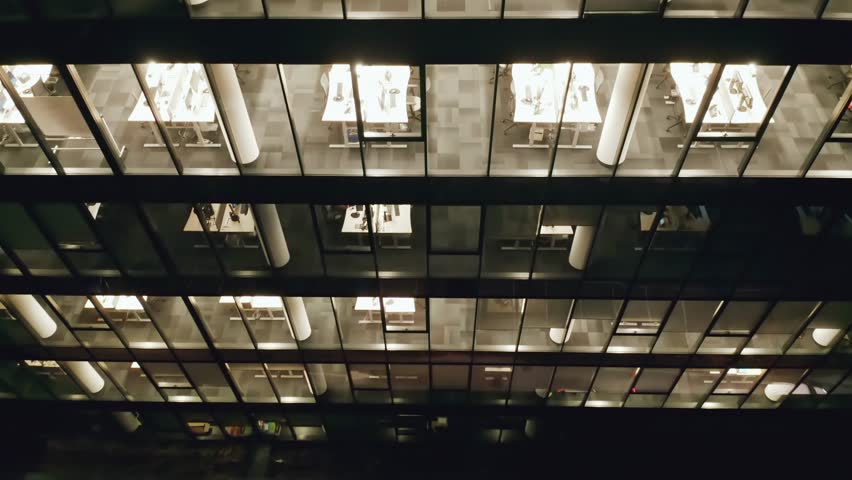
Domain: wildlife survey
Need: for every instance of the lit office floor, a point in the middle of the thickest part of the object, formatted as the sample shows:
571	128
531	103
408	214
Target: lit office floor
305	8
228	8
383	8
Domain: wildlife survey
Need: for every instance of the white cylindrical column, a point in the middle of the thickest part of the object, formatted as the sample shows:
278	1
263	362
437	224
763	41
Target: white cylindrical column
318	379
31	312
618	119
234	106
298	317
128	421
272	233
86	374
578	257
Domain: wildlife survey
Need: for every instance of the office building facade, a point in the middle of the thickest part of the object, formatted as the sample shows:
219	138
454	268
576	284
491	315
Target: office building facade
396	220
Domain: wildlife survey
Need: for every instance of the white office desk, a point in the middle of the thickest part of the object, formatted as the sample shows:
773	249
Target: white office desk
222	221
178	98
692	79
538	97
383	91
398	224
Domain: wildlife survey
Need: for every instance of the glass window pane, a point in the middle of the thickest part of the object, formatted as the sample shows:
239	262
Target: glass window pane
21	236
626	6
838	9
400	239
804	111
323	329
172	382
817	383
174	320
510	233
619	241
826	328
454	241
369	376
489	384
529	385
596	116
529	103
51	375
685	326
551	9
610	388
307	9
450	383
360	324
497	323
775	332
459	112
679	238
235	232
210	382
834	160
451	323
47	98
192	122
21	153
7	266
132	380
73	236
591	325
291	382
329	145
570	385
564	240
701	8
782	9
738	318
86	322
36	315
127	238
739	380
774	388
373	9
130	318
410	383
115	92
694	385
12	331
331	382
225	8
270	150
544	325
223	321
183	235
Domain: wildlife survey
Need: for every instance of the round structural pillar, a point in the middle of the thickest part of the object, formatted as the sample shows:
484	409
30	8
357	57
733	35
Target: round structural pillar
30	311
581	246
298	317
234	107
618	118
272	234
86	374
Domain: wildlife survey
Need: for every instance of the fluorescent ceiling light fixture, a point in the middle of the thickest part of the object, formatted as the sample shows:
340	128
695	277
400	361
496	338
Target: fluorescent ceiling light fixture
256	302
392	304
745	371
498	369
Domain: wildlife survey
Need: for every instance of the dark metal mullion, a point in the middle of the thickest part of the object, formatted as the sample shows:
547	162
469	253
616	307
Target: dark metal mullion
301	353
797	385
264	4
561	347
756	327
827	131
581	10
157	242
724	372
282	80
767	119
493	115
158	120
753	387
741	8
661	8
591	385
683	369
632	385
634	110
208	237
96	123
90	357
359	121
274	388
342	9
223	116
126	344
424	115
632	283
48	237
95	230
559	121
503	15
374	243
698	121
318	237
29	121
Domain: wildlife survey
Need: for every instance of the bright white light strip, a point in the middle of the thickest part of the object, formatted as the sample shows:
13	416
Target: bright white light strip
392	304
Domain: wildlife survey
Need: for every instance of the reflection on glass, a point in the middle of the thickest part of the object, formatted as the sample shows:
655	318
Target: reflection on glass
620	239
679	237
122	230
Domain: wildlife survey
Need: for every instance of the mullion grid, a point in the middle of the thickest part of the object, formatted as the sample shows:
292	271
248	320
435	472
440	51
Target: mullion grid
827	131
